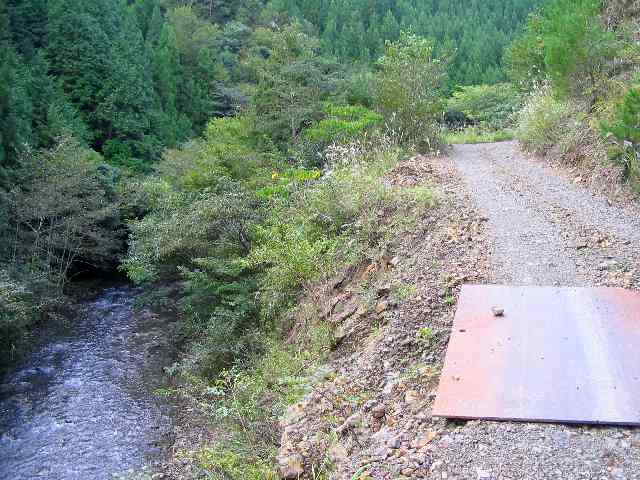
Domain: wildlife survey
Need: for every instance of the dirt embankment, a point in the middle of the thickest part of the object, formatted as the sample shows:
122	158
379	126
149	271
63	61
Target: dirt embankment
501	218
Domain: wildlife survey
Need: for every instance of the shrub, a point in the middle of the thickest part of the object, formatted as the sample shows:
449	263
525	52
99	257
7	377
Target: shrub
227	150
63	216
221	312
358	87
183	226
329	223
17	314
568	44
542	121
409	87
342	124
625	128
491	106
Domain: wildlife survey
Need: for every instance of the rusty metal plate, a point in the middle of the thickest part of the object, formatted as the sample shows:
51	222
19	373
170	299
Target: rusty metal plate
568	355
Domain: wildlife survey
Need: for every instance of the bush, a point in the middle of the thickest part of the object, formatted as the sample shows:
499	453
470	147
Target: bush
183	226
221	313
228	150
490	106
409	90
18	312
625	128
542	121
202	207
63	217
568	44
329	223
358	88
342	124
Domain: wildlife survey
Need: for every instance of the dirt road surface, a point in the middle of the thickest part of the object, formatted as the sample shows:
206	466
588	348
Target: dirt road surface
544	228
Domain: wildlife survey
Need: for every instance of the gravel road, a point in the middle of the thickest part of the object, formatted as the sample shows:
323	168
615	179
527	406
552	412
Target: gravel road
545	228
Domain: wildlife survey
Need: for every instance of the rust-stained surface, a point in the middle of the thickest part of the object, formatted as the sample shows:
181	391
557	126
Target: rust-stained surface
569	355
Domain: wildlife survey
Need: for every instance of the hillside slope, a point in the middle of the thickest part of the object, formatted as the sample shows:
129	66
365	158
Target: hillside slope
370	416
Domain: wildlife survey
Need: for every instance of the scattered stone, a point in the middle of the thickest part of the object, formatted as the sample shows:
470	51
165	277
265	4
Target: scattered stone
342	316
424	440
378	411
607	265
382	306
338	453
394	442
384	290
483	474
353	421
291	467
412	397
497	311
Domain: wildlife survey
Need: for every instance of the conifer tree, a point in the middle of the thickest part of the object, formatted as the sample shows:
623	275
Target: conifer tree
125	101
15	105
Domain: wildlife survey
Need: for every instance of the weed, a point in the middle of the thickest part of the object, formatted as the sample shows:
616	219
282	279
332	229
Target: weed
542	122
425	335
223	464
404	291
361	473
478	135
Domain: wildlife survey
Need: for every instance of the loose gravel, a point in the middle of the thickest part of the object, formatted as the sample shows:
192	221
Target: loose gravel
544	228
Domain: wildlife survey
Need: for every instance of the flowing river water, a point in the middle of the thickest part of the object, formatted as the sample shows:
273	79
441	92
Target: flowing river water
82	406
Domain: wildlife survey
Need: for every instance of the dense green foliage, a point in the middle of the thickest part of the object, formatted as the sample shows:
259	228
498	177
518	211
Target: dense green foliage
130	78
491	106
477	30
126	78
409	90
568	44
579	62
625	127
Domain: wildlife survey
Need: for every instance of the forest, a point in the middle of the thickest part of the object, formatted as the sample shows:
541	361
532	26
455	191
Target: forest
232	150
99	97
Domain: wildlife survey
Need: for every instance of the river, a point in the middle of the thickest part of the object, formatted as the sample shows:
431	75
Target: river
82	406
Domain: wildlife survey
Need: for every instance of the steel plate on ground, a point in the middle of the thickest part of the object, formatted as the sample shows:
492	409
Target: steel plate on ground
569	355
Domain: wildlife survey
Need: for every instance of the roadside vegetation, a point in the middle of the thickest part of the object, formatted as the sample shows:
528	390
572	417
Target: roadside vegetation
237	152
482	113
578	64
246	239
